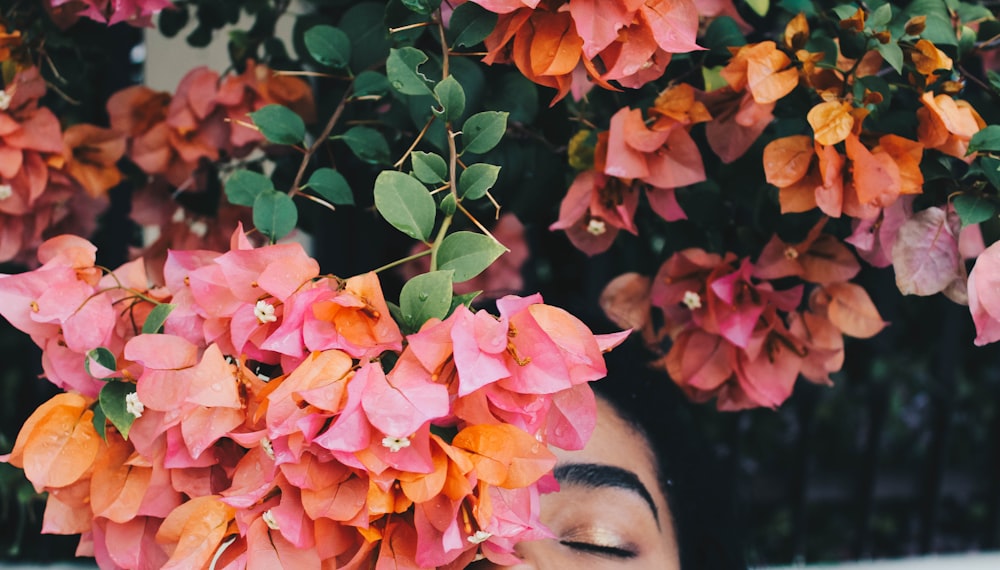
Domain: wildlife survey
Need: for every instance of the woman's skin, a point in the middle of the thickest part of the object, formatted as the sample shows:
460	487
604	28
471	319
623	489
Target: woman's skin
610	511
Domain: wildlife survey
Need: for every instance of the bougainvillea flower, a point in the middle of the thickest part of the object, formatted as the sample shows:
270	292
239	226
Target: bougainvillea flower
823	345
925	256
631	41
592	221
737	121
820	258
831	121
355	319
91	157
663	159
984	300
110	12
928	59
947	124
763	70
849	307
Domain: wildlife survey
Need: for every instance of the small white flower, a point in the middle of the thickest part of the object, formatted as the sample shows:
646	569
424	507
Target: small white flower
395	443
5	99
692	300
480	537
198	228
6	191
596	227
264	312
265	444
178	216
269	520
791	253
133	405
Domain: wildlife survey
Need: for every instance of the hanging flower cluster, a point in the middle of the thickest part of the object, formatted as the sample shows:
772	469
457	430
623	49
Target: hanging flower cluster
133	12
562	44
281	414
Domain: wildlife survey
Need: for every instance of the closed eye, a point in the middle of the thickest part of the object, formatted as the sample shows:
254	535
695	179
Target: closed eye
610	551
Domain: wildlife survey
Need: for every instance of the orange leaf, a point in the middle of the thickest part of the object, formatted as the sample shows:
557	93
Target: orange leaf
505	455
851	310
831	121
786	160
194	530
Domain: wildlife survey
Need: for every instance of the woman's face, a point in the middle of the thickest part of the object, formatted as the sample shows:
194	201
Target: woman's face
609	511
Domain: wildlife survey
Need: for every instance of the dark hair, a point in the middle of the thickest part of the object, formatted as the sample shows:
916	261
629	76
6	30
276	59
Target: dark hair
699	493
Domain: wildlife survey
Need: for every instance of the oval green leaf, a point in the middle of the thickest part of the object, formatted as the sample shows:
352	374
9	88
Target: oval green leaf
428	167
402	69
243	186
483	131
279	124
274	214
468	254
367	144
332	186
470	24
101	356
477	180
115	407
405	203
451	96
425	297
328	45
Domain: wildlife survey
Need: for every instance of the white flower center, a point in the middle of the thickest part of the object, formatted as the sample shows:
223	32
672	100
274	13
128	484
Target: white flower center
269	520
178	216
395	443
265	444
5	99
596	227
264	312
6	191
480	537
199	228
133	405
791	253
692	300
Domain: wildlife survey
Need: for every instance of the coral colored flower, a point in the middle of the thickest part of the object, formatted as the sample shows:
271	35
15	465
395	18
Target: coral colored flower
737	121
556	45
91	157
763	70
947	124
819	258
927	58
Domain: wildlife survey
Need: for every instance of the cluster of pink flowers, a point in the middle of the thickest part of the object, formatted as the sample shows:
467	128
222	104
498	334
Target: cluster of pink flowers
39	171
282	415
734	335
175	138
134	12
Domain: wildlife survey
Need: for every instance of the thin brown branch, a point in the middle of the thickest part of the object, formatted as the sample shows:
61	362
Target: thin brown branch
296	185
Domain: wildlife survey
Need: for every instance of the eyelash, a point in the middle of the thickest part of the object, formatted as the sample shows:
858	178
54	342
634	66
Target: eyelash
599	549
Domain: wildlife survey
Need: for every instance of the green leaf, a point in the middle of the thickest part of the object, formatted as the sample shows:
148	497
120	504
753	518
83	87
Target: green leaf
402	69
448	205
991	170
722	33
405	203
892	54
364	24
939	28
102	356
279	124
156	318
428	167
468	254
329	46
274	214
100	420
845	10
112	400
470	24
367	144
370	83
451	96
332	186
477	180
760	7
243	186
464	299
422	6
483	131
987	139
973	209
425	297
796	6
879	18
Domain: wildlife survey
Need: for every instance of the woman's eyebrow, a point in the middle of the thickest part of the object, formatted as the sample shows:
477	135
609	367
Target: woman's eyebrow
596	476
